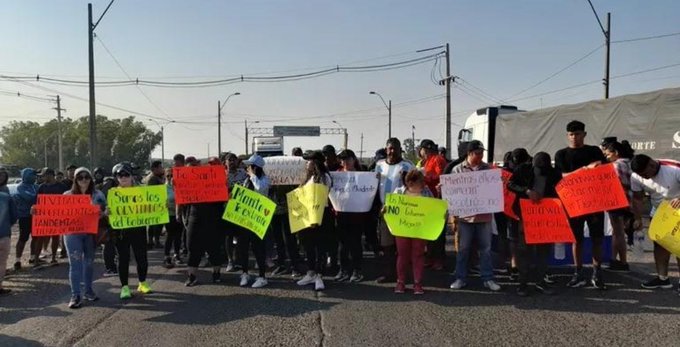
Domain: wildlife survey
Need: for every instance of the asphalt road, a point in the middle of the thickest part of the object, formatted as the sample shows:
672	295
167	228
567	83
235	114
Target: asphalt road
364	314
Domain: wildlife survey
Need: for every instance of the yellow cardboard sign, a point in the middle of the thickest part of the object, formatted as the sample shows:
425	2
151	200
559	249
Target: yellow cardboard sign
415	216
665	228
306	205
250	210
138	206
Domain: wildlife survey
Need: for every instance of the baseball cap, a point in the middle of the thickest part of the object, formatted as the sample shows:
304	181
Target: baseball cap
475	145
255	160
428	144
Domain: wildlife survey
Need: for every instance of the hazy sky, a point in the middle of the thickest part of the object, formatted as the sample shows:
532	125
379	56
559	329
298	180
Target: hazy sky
500	47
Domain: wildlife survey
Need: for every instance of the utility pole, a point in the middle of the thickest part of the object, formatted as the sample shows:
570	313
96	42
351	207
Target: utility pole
346	136
389	115
448	99
61	154
361	149
246	124
413	139
607	35
219	127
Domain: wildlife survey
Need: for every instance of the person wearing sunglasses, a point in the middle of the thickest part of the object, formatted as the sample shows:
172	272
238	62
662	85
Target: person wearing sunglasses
134	238
80	246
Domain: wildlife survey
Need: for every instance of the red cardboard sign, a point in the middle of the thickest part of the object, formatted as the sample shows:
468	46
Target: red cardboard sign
545	222
195	184
64	214
508	196
592	190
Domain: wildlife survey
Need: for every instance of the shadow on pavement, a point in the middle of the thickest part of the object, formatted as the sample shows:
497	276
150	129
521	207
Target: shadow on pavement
10	341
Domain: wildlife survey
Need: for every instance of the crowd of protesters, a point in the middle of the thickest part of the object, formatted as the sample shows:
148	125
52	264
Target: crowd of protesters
197	236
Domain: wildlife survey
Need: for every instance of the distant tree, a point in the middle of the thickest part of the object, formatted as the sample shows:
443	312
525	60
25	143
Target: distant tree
410	150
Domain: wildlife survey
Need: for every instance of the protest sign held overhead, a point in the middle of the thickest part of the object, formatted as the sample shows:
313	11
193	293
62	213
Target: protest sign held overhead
545	222
306	206
471	193
353	191
64	214
250	210
665	228
592	190
285	170
508	196
196	184
138	206
415	216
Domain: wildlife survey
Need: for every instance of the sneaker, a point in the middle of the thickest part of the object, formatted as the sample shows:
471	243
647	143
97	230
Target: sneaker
75	302
548	279
245	278
342	276
523	290
167	263
318	283
91	297
491	285
309	278
17	266
178	259
191	281
110	273
514	274
400	288
458	284
597	280
418	289
658	283
5	291
260	282
577	281
544	287
216	277
230	267
144	288
356	276
125	292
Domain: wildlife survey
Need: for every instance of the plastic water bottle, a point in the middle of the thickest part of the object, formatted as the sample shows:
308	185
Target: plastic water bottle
639	242
559	251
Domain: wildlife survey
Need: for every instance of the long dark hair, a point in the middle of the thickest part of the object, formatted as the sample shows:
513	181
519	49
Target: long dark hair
259	172
75	189
318	172
623	149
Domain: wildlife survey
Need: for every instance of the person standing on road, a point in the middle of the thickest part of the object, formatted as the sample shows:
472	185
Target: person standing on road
8	216
155	178
661	180
333	239
25	197
128	238
80	246
476	227
576	156
314	238
173	228
259	182
433	166
235	175
615	152
50	186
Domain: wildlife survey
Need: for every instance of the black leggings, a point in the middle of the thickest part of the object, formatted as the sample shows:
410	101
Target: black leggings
350	230
528	254
173	236
202	237
134	238
246	240
315	240
286	243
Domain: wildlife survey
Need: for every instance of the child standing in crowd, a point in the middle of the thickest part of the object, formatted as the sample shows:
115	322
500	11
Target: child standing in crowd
134	238
411	250
8	216
80	246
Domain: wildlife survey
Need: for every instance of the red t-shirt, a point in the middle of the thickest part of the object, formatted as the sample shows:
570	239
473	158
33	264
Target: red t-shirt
433	167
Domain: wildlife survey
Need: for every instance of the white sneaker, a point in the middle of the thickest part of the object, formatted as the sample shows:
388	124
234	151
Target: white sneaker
230	267
309	278
493	286
318	283
260	282
245	278
458	284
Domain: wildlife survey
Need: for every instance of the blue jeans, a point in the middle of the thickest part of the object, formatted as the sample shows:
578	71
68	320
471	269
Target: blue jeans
468	233
80	249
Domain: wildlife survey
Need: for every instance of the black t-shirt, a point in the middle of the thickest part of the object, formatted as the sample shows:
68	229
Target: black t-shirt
54	188
571	159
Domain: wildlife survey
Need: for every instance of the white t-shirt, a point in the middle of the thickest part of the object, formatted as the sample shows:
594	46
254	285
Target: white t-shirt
664	186
390	176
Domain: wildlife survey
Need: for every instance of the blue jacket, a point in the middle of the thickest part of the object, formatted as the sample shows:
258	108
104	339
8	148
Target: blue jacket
8	214
27	193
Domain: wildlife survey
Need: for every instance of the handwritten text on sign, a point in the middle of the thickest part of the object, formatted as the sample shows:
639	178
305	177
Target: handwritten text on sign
306	206
285	170
138	206
195	184
250	210
545	222
592	190
353	191
415	216
665	228
64	214
472	193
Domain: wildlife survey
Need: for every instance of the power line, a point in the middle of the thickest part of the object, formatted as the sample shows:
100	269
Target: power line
647	38
479	90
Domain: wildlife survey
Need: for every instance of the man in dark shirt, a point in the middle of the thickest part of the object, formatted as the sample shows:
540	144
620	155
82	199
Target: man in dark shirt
567	160
50	186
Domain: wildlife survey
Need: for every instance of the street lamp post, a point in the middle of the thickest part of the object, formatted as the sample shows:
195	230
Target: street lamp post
344	133
388	105
162	126
219	122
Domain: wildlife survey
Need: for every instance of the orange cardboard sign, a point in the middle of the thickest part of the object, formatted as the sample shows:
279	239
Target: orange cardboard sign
508	196
195	184
545	222
64	214
592	190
